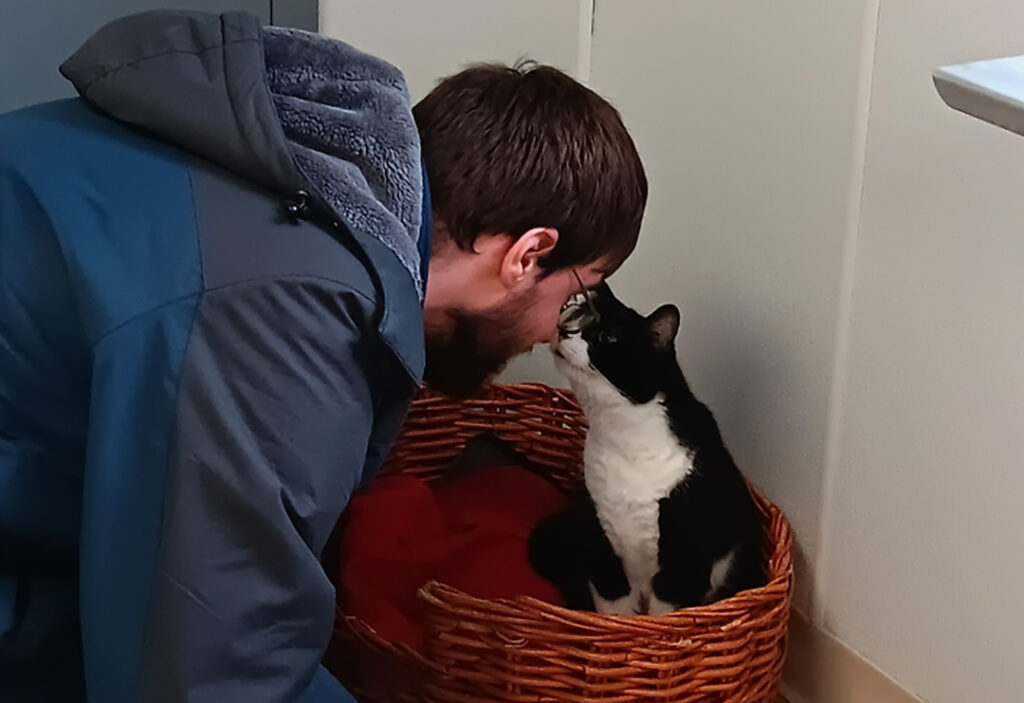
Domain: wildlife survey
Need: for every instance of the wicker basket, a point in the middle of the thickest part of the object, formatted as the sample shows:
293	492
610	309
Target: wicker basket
525	650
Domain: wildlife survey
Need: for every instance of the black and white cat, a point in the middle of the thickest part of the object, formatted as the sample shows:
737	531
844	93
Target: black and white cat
666	520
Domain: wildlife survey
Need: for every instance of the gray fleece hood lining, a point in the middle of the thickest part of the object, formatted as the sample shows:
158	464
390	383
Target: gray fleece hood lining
348	122
287	109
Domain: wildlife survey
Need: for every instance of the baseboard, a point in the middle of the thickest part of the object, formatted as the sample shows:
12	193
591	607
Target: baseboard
821	669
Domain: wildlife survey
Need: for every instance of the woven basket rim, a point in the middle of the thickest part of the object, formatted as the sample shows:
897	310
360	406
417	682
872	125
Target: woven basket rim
778	584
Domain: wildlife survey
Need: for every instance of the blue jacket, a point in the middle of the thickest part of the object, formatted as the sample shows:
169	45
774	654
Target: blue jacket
211	273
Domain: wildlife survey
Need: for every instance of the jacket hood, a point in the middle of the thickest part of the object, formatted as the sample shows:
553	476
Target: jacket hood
293	111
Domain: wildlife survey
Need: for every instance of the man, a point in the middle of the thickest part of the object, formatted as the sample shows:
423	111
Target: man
215	285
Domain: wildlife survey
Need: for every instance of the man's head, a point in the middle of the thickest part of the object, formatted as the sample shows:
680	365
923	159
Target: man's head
537	190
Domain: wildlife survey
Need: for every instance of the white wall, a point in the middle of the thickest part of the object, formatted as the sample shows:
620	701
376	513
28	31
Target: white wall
924	566
430	40
748	150
849	259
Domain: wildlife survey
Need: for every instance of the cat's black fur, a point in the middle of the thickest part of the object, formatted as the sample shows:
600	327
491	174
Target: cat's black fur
701	519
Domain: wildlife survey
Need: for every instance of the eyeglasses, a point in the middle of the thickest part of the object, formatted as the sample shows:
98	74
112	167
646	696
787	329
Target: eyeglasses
579	311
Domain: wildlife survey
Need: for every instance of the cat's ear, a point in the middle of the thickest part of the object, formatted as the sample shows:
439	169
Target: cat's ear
664	325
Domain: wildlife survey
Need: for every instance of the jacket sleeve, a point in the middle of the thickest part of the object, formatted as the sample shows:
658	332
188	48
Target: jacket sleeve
219	595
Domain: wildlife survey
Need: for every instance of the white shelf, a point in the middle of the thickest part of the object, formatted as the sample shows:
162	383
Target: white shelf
992	91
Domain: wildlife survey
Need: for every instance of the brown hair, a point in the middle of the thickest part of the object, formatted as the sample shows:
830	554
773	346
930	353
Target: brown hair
509	149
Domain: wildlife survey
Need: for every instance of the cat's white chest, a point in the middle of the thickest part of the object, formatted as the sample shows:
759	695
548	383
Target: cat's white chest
632	461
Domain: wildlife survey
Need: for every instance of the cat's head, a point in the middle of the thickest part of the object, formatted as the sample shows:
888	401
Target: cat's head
604	345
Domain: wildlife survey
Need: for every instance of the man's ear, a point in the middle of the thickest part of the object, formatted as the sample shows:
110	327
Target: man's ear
664	325
521	262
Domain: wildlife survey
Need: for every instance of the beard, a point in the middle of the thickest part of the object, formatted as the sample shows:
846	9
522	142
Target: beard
471	348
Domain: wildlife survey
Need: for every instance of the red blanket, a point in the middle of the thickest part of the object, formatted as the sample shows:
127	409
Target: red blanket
470	534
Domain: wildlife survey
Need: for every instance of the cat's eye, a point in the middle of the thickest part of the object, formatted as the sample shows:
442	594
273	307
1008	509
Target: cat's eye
606	337
579	311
